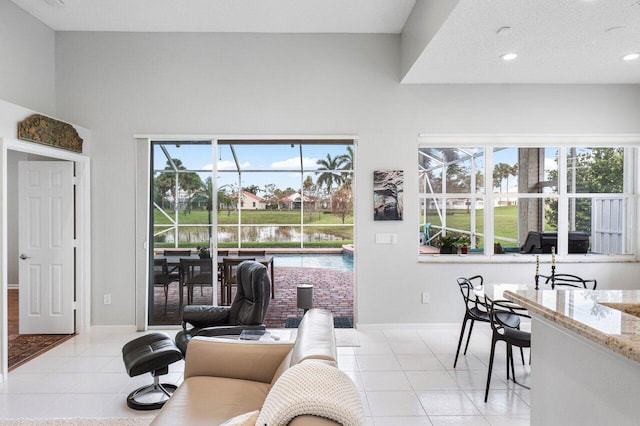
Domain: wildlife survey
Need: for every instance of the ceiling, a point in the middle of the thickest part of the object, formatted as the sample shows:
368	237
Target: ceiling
558	41
247	16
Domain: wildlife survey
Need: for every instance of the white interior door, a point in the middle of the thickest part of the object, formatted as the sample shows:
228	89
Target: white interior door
46	241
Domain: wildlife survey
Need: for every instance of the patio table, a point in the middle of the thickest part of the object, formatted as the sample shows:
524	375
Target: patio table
174	261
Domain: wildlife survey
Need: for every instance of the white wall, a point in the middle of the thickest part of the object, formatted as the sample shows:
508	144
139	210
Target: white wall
27	60
122	84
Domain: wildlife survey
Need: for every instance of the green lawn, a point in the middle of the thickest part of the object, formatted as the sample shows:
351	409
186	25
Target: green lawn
505	218
271	217
196	235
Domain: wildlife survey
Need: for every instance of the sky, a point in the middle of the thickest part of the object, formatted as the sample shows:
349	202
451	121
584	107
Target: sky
283	159
508	155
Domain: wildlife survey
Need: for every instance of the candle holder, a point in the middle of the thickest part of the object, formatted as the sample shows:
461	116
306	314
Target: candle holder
553	267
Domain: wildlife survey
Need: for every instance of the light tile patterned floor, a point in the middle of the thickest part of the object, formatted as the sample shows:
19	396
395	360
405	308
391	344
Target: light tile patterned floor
405	377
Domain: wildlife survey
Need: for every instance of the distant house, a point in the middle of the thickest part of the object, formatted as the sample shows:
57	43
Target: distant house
252	201
294	202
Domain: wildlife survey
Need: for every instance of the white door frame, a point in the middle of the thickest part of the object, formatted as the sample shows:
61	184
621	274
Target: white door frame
83	227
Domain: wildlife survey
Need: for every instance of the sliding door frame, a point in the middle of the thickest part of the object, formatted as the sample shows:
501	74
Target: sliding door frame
143	211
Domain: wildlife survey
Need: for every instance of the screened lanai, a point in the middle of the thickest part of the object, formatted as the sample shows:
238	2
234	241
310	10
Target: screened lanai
267	194
505	197
286	199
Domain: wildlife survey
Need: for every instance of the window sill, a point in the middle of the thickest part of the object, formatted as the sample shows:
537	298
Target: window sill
525	258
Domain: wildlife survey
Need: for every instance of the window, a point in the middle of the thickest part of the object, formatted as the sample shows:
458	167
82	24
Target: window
569	198
295	194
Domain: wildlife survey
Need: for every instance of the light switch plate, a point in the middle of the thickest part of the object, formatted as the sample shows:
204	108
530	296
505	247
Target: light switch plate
386	238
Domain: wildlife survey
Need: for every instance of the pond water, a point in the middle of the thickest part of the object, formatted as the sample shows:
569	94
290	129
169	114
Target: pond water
197	234
338	262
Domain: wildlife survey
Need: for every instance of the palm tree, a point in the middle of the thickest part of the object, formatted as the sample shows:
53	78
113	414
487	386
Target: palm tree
502	171
348	161
205	195
331	175
188	182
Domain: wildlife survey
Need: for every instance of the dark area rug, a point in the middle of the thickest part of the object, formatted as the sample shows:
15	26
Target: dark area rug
338	322
23	347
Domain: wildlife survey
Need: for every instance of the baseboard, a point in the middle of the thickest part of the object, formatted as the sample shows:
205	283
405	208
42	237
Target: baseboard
405	326
13	286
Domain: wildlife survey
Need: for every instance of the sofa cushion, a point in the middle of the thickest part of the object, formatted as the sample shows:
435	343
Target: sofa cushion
315	339
235	359
314	388
209	401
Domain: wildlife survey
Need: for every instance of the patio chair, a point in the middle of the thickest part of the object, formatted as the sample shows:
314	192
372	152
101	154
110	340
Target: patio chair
176	253
426	234
195	272
162	277
230	266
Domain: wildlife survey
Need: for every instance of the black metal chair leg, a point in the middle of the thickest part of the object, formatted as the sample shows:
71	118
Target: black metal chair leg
469	336
493	350
521	350
508	353
513	370
464	325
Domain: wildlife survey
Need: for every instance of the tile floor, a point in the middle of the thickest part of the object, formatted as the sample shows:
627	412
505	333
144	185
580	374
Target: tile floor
405	377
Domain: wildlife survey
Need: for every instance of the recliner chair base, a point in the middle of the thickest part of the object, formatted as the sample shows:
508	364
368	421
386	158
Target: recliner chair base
151	397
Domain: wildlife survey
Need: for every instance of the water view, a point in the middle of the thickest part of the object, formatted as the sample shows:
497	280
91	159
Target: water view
256	233
339	262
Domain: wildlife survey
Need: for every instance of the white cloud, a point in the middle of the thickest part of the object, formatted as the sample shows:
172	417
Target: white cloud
294	163
550	164
227	165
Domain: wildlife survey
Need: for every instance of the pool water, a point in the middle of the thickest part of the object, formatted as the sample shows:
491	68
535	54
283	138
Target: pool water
338	262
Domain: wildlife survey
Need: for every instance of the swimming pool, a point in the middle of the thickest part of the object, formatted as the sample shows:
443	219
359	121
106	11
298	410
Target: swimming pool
317	260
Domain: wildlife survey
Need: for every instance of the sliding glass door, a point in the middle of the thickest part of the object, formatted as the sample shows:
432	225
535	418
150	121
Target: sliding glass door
182	228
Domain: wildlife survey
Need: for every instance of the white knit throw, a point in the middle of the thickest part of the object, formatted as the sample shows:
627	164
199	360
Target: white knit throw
312	388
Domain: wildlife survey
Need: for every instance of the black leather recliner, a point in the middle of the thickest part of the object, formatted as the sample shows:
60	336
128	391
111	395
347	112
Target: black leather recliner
247	312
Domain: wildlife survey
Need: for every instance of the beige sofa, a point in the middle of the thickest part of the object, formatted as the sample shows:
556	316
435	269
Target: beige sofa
226	378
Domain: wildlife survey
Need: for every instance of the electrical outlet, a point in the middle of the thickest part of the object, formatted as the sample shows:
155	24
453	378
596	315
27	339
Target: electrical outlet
425	297
107	299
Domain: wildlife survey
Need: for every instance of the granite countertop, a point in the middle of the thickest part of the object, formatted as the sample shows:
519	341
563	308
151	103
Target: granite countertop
610	318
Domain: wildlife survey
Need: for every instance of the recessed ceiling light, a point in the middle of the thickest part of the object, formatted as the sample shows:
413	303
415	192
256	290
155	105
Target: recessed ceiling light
631	57
509	56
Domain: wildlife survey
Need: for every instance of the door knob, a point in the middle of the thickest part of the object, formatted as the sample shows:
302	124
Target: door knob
24	256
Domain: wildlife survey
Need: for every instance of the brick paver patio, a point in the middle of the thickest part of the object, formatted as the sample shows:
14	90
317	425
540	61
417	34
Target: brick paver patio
332	290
